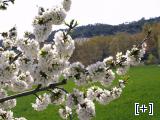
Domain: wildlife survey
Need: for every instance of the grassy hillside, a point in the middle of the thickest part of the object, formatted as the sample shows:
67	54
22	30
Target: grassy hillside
142	87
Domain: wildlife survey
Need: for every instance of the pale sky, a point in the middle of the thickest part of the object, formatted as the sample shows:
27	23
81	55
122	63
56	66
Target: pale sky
84	11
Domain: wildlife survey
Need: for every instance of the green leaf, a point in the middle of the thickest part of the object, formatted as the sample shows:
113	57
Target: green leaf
43	53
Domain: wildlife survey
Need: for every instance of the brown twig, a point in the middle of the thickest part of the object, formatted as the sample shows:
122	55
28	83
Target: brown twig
33	92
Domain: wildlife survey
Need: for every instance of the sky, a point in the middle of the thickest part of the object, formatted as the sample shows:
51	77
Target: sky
85	12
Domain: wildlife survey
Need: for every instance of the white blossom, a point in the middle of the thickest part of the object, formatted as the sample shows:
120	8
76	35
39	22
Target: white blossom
109	77
25	80
57	96
7	43
122	84
66	4
64	45
65	112
97	71
70	100
123	65
21	118
41	102
7	115
8	104
104	97
143	50
29	47
58	14
1	2
91	93
98	94
131	59
75	98
8	71
122	70
25	64
108	60
135	54
86	110
6	56
78	72
116	92
18	85
3	93
42	31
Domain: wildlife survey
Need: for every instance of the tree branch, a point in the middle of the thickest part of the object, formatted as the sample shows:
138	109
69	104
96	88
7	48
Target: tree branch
52	86
70	115
33	92
71	26
15	58
62	89
147	37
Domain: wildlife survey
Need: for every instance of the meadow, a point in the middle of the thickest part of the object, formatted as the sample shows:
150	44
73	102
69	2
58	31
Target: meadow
142	87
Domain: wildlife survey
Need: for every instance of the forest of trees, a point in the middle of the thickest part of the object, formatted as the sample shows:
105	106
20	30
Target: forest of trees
99	47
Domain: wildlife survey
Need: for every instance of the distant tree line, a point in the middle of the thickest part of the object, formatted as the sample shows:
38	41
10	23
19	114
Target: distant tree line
105	29
99	47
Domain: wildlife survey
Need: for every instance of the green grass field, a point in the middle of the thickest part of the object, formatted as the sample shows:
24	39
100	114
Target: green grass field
143	87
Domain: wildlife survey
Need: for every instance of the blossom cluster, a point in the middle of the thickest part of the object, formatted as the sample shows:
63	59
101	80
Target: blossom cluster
26	63
83	103
4	4
8	115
